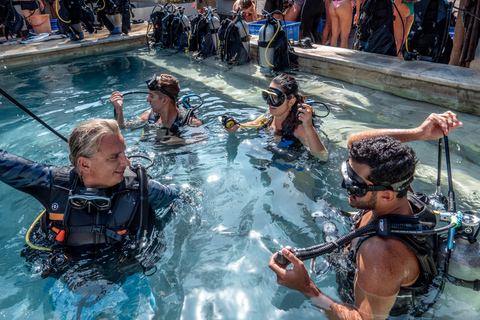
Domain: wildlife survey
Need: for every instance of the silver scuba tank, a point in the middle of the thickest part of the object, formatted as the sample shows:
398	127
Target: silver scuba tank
244	32
265	56
214	23
186	23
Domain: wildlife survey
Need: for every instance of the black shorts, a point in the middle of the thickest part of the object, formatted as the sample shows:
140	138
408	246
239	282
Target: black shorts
29	5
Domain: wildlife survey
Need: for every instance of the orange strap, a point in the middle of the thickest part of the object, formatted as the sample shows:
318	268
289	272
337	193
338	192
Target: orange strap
55	216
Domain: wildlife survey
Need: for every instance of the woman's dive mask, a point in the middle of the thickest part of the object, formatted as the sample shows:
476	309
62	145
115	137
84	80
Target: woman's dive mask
275	97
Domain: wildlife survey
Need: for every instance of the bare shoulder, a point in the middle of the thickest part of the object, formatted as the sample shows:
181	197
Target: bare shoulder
145	115
385	265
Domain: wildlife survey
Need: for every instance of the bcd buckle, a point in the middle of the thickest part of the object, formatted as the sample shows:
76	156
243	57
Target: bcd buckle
98	229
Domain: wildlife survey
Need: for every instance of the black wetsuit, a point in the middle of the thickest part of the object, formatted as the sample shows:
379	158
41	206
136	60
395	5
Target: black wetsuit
310	15
424	248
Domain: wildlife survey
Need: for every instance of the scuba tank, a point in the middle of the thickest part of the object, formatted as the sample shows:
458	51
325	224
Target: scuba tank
214	23
266	48
274	49
244	31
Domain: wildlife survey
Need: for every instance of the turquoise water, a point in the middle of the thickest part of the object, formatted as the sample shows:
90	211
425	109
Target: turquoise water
248	198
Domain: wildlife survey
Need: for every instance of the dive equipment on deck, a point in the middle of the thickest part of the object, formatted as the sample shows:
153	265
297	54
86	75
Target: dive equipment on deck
234	37
274	49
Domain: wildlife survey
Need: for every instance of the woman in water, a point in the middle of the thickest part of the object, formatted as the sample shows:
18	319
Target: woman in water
285	102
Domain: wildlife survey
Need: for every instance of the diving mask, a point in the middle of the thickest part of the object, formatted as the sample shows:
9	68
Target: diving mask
357	186
275	97
89	198
153	86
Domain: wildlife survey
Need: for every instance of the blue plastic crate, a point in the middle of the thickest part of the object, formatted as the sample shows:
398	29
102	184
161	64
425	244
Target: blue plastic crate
292	28
321	25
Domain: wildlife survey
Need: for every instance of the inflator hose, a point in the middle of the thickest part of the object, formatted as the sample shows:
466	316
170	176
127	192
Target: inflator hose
324	248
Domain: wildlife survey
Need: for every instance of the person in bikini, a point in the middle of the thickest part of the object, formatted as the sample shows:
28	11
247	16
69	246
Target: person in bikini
341	16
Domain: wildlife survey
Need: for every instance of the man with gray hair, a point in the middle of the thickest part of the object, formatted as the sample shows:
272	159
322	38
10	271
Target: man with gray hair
98	204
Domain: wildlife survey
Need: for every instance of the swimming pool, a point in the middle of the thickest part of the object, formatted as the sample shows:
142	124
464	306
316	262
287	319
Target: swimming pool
246	204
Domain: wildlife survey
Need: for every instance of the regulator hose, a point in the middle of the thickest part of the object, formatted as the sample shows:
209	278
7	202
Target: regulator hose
324	248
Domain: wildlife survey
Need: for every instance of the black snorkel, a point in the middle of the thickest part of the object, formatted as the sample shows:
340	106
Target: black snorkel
32	115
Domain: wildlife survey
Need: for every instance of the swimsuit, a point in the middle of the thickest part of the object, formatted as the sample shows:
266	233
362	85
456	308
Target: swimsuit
336	3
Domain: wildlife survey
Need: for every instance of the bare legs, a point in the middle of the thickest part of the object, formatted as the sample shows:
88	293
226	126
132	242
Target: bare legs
401	25
327	31
341	22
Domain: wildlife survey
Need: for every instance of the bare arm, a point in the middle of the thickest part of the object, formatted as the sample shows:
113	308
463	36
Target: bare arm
434	127
309	135
116	99
297	278
383	267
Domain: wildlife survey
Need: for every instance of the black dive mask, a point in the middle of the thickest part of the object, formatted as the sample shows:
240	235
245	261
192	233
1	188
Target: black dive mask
88	198
153	86
356	186
274	97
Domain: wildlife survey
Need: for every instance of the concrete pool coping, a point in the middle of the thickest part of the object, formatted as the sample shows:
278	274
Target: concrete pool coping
452	87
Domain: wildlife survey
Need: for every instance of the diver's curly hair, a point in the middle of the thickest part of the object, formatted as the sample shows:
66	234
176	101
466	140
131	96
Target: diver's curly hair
391	160
289	86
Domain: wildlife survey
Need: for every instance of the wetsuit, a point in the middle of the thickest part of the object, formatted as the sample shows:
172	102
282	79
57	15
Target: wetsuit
310	15
424	248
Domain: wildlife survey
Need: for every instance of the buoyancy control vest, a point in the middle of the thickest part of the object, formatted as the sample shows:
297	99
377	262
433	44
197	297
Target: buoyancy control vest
180	29
288	140
429	34
71	14
166	38
423	246
13	22
156	20
274	49
374	31
112	7
127	217
182	118
201	39
234	38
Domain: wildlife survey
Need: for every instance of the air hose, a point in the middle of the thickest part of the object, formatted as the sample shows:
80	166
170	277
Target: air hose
382	227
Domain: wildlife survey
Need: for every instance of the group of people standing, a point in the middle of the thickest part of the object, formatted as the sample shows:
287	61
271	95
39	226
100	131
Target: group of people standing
340	16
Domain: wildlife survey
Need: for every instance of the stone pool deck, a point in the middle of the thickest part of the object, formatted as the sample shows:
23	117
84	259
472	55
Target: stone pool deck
452	87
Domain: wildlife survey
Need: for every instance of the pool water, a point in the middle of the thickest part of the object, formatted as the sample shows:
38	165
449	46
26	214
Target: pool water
247	198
